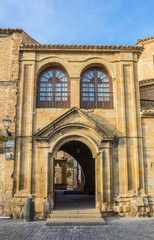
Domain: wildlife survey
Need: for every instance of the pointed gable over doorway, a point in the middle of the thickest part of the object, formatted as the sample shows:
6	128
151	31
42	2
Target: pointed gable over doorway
71	119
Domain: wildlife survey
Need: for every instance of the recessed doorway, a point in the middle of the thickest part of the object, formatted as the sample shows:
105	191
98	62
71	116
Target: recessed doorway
74	177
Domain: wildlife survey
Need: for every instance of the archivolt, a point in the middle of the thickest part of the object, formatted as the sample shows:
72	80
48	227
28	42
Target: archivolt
50	62
97	62
75	137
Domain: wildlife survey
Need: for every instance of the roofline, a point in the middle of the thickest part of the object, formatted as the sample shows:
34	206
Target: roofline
30	37
97	48
10	31
144	39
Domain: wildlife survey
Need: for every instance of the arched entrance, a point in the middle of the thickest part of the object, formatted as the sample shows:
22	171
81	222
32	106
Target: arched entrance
84	199
83	155
79	149
77	134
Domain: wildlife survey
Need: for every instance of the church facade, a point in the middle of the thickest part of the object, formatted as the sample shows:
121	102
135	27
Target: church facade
95	103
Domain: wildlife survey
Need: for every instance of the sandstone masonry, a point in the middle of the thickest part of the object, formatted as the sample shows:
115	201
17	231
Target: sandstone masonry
118	140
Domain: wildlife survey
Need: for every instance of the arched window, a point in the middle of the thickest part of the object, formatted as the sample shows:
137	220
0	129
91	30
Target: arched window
96	89
53	89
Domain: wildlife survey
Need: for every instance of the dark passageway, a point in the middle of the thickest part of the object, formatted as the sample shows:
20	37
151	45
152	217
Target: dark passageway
83	156
65	200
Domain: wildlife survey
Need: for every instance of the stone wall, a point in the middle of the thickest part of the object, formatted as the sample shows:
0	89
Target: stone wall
6	184
10	40
122	177
148	144
2	178
9	72
146	61
9	68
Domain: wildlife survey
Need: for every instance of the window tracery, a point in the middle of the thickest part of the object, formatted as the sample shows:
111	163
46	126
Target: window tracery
53	89
96	89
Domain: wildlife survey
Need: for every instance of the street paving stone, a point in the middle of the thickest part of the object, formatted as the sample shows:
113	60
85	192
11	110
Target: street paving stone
117	228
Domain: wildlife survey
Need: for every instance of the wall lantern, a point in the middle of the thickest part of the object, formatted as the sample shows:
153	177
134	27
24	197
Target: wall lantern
6	123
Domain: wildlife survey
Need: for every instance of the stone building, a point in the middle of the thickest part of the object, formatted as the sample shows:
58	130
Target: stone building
83	100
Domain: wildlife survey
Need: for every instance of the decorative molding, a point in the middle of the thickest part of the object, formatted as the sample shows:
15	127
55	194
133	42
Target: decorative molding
81	47
146	82
144	39
8	83
147	114
51	128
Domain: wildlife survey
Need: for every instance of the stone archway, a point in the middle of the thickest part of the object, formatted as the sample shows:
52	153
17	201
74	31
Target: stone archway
72	127
85	154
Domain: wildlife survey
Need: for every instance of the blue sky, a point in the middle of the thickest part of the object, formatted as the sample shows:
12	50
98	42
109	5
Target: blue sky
80	21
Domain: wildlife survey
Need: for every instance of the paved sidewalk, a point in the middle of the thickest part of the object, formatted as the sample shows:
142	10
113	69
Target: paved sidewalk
116	229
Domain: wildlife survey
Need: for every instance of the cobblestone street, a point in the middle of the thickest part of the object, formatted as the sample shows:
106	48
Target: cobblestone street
116	228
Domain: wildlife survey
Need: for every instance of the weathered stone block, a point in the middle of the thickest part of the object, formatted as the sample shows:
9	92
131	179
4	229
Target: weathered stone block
134	209
125	208
118	209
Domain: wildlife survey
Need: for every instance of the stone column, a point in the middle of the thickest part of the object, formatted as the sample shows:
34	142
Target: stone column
75	174
104	175
109	174
121	124
139	128
97	180
51	175
106	172
23	161
131	126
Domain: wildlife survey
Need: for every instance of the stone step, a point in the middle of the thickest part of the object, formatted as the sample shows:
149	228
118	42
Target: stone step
85	211
75	215
74	222
5	217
